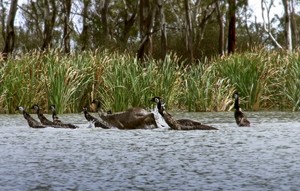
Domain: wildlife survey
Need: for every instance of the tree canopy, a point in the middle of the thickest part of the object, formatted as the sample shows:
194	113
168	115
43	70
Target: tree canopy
147	28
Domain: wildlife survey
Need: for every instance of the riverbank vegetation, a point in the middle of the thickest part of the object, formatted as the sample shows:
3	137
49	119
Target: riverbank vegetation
194	54
266	81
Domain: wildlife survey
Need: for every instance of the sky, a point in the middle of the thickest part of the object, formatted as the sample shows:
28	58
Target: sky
255	5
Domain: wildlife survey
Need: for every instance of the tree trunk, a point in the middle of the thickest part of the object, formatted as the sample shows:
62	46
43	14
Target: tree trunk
66	33
288	31
294	24
189	31
221	29
2	17
104	12
202	15
10	32
163	33
84	33
128	24
267	25
49	21
231	28
146	29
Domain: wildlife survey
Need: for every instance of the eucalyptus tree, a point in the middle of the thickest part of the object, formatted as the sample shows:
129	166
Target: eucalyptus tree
266	7
188	31
202	15
231	27
84	33
3	15
49	17
146	21
221	22
66	11
294	20
40	21
9	32
288	30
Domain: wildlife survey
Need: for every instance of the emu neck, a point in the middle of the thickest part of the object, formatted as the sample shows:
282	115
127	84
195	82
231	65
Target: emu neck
98	106
26	115
53	114
38	111
236	104
159	107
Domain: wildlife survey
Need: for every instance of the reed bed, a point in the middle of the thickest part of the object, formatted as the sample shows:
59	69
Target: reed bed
265	80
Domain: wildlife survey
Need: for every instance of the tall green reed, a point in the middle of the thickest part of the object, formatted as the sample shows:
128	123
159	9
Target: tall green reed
251	74
291	81
264	80
127	83
204	91
21	83
66	81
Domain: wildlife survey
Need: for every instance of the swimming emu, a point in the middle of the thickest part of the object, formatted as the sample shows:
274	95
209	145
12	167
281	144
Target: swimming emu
240	118
58	122
132	118
41	116
93	119
180	124
31	122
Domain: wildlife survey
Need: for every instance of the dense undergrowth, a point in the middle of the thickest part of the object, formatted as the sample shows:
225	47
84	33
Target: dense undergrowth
265	80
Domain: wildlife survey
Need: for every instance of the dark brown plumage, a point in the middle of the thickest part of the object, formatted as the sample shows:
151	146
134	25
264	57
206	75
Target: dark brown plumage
58	123
132	118
180	124
41	116
31	122
240	117
90	118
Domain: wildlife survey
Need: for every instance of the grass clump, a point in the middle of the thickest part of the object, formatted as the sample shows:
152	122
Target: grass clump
127	83
204	91
251	74
265	80
290	78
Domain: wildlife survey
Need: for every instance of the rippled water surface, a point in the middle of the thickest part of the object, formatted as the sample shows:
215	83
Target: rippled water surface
263	157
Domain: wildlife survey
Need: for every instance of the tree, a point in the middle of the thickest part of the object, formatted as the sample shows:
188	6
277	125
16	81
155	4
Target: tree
202	13
188	31
129	18
50	11
295	30
10	32
84	35
163	32
104	11
288	31
2	19
231	28
221	29
267	25
146	11
66	25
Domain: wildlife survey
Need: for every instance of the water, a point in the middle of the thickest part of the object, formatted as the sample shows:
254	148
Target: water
263	157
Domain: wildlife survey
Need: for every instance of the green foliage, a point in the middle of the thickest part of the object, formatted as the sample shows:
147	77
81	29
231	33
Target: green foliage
205	91
250	73
291	82
126	82
265	80
20	83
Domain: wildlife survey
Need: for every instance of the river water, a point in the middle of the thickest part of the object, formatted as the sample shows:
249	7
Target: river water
263	157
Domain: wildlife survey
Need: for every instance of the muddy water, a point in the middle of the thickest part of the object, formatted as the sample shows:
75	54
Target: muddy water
263	157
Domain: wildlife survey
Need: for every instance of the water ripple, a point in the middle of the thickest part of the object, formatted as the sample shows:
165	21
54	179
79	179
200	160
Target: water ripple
263	157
